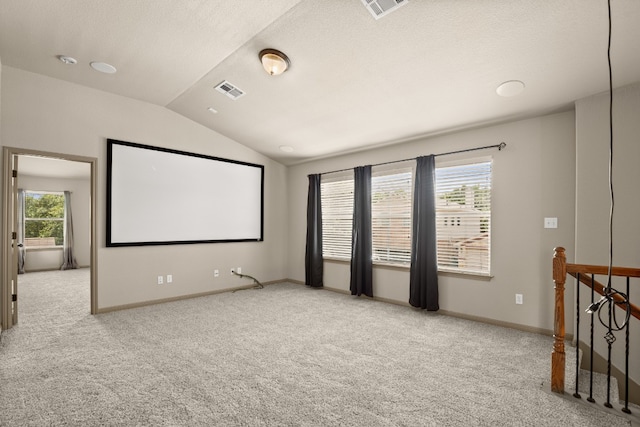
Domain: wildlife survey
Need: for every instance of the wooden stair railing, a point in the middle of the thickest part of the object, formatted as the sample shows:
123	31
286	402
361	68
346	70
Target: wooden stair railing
560	270
599	287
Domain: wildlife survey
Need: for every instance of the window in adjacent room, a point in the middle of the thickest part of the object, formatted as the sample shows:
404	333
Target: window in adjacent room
463	217
337	214
391	194
43	219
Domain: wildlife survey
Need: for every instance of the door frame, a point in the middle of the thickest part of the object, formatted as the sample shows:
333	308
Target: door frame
8	226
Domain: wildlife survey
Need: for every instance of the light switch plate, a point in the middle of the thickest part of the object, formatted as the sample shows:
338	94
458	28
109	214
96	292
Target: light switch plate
551	223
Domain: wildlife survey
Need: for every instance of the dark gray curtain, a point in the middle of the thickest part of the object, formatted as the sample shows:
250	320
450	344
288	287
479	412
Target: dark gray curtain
361	245
68	258
313	257
22	253
423	285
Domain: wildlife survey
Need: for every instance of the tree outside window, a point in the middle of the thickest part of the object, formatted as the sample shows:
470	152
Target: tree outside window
43	218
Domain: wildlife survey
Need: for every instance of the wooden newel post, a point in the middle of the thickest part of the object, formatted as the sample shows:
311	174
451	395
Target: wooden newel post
557	355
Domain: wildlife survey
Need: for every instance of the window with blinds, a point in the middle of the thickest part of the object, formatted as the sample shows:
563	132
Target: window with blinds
463	218
391	194
336	193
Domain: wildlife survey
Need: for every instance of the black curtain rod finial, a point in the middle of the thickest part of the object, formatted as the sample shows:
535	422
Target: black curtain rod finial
502	145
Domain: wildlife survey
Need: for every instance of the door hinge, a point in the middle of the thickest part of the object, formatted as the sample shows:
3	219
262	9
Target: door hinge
14	173
14	235
14	297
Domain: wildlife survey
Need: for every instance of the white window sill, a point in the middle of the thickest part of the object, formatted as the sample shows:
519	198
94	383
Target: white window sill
43	248
407	268
466	273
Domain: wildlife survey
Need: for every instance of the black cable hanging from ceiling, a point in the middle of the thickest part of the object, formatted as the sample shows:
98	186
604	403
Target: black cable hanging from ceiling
608	299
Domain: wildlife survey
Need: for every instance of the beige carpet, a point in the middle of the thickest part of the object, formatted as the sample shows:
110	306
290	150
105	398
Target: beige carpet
285	355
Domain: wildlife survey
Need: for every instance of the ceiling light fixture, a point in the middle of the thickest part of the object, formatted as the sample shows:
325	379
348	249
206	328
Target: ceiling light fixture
274	61
510	88
286	148
103	67
212	110
67	60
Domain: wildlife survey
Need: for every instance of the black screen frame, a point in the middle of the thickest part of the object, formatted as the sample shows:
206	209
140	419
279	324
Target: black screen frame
109	202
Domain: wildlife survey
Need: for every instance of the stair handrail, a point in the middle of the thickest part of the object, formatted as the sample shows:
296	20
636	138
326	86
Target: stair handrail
599	288
560	270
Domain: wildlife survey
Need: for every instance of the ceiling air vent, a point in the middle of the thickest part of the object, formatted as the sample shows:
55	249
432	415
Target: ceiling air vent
380	8
230	90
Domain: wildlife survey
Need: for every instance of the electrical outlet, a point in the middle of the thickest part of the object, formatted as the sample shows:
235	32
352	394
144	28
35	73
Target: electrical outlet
169	278
160	280
551	223
216	273
239	270
519	299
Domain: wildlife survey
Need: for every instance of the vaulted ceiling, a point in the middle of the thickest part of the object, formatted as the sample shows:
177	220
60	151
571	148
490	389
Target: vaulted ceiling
355	82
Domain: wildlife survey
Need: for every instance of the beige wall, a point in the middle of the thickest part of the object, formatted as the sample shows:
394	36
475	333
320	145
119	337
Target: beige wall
533	178
42	113
592	197
51	115
2	300
81	212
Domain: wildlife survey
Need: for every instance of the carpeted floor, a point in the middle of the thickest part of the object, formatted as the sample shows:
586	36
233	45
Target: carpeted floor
285	355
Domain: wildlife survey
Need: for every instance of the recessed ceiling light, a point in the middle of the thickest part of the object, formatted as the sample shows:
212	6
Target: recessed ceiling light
67	60
510	88
286	148
103	67
212	110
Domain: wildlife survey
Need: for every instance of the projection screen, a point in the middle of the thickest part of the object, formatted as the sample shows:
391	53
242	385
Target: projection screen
158	196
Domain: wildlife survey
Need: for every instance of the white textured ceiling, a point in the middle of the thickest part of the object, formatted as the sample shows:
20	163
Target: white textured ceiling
355	82
53	168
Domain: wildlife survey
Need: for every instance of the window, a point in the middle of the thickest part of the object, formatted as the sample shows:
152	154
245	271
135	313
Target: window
337	214
43	219
391	194
463	217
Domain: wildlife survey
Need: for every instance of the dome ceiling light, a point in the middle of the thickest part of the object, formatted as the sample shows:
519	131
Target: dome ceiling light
274	61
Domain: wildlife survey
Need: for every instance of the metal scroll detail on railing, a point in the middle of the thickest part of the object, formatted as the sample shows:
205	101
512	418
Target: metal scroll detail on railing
612	325
610	299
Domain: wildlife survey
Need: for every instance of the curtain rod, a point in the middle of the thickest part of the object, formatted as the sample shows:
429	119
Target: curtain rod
498	146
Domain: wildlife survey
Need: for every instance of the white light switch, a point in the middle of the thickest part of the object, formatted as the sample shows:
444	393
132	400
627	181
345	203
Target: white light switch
551	223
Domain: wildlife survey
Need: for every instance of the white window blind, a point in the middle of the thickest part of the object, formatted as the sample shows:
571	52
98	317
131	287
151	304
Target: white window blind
463	218
337	215
391	194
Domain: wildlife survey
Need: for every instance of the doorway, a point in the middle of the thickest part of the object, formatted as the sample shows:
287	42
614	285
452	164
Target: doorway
43	171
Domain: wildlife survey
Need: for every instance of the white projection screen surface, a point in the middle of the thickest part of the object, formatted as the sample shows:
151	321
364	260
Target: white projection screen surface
157	196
